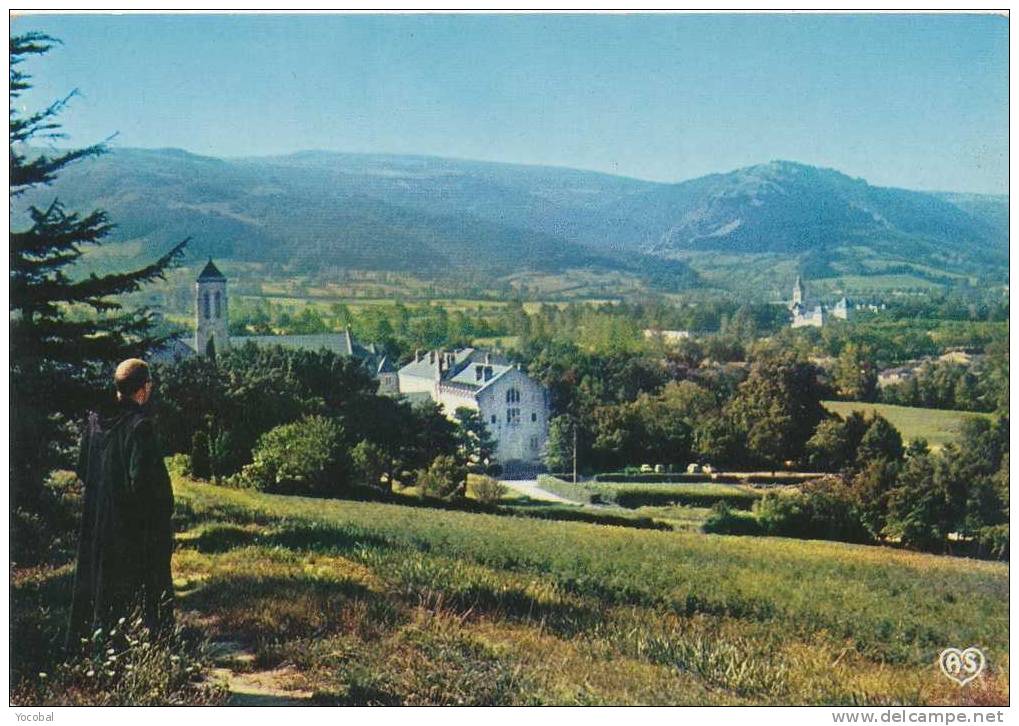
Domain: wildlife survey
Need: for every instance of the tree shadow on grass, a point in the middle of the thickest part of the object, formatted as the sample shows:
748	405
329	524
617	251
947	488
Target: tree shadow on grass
514	604
324	538
39	611
265	609
312	537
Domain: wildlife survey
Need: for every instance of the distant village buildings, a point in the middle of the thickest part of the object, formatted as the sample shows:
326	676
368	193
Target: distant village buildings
814	315
514	407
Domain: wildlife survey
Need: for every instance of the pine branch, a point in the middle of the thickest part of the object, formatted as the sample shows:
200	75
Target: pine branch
43	169
53	230
95	287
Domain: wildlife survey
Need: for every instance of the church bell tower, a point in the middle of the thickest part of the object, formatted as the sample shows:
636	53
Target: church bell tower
211	311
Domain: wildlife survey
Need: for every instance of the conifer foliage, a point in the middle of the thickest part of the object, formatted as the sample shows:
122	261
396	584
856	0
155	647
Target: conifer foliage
66	329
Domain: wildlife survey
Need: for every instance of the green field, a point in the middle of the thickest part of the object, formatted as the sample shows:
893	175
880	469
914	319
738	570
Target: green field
938	426
354	602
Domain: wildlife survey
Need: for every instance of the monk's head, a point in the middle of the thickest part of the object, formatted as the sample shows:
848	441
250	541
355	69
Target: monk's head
133	381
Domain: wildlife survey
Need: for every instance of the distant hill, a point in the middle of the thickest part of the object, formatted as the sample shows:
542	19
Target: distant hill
789	208
438	217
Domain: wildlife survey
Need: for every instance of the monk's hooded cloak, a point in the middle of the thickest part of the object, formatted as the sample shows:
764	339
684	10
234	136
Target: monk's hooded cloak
126	536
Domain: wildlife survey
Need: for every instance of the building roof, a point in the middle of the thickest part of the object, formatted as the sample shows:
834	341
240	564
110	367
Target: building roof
468	376
426	365
462	369
340	343
211	272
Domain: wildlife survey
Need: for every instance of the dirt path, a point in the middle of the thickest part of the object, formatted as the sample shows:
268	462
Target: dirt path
248	687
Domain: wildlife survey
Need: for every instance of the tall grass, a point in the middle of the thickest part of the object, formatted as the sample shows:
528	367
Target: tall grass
365	599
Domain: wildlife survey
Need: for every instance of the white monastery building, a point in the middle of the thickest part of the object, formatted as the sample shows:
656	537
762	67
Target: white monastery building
514	407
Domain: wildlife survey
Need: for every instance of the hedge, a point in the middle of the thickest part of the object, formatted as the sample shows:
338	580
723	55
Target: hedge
635	494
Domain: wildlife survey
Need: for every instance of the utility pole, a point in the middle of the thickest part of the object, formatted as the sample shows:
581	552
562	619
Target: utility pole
574	450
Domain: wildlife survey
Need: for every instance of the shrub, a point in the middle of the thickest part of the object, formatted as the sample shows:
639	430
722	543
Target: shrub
201	463
371	463
655	478
443	478
694	495
486	489
179	464
304	457
824	509
726	520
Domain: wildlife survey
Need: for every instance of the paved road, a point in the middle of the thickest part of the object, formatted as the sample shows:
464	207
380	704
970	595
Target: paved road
530	488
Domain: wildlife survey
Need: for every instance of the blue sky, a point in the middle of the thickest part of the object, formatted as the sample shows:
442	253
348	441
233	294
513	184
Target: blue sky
918	101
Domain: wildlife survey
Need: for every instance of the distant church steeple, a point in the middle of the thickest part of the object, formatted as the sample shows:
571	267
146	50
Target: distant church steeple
797	293
211	311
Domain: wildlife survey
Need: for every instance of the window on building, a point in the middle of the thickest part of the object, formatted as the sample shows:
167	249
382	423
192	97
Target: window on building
534	417
205	306
493	418
216	300
513	396
534	443
512	415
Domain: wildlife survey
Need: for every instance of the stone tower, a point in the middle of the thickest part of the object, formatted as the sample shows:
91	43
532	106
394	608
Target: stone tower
211	311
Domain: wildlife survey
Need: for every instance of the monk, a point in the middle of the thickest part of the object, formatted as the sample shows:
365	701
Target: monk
126	537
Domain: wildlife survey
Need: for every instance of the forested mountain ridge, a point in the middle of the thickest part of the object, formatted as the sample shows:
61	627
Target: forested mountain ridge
318	210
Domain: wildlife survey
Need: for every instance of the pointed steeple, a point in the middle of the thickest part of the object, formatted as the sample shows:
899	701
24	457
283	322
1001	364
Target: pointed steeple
797	292
211	272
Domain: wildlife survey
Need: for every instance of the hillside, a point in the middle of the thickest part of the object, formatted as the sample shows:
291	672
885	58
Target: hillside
321	211
359	603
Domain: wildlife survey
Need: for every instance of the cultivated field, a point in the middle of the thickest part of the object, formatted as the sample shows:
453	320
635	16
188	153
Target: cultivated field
379	603
938	426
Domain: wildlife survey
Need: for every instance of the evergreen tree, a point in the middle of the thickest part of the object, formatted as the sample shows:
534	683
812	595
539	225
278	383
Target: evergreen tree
66	330
201	465
475	444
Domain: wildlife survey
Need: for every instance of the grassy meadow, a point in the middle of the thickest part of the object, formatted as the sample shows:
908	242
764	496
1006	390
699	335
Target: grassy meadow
374	603
938	426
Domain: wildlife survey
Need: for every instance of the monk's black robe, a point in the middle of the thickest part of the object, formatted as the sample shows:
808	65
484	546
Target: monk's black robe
126	536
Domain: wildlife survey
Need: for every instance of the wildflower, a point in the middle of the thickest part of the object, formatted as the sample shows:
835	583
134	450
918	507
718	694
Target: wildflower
110	651
121	621
43	675
90	673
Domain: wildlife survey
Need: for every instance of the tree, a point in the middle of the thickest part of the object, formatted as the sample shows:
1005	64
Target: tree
919	511
559	450
856	374
475	445
201	466
835	442
60	363
371	462
777	407
444	477
870	487
881	441
303	457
